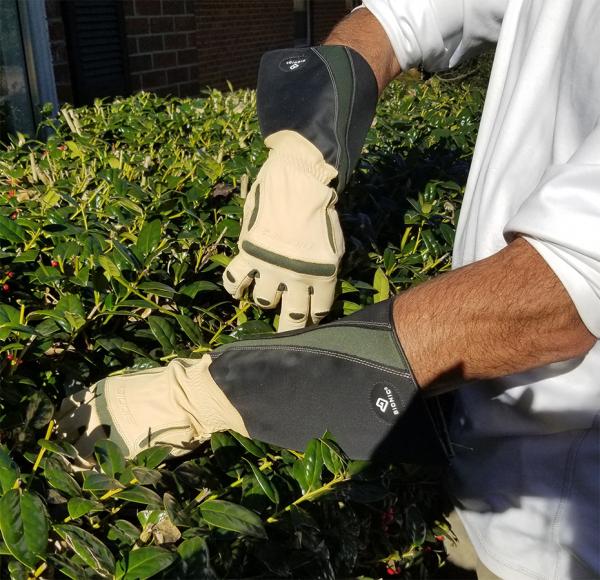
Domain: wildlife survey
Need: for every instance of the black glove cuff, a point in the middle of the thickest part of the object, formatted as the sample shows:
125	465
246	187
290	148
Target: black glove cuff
328	94
350	378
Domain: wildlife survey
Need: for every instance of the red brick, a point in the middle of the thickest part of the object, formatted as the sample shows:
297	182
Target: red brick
166	91
147	7
173	7
178	75
191	89
177	40
188	56
161	24
153	79
184	23
150	43
132	46
136	82
140	62
164	59
137	26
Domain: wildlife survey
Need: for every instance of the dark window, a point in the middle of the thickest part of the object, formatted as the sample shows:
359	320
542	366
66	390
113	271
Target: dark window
95	40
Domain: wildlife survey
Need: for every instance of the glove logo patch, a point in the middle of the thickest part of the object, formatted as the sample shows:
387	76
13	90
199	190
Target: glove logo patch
384	402
293	63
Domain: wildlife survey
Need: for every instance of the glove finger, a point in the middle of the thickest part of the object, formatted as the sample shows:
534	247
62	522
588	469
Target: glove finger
321	300
267	291
238	276
295	304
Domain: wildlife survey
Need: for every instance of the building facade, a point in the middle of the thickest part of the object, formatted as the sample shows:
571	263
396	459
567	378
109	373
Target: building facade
76	50
175	47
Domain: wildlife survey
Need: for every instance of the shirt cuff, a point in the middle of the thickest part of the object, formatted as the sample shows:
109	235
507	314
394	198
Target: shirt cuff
560	220
422	32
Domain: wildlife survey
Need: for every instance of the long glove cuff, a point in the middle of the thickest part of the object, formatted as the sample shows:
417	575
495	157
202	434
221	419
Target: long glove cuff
327	94
350	378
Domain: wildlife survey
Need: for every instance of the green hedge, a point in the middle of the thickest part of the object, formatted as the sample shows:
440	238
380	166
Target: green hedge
113	237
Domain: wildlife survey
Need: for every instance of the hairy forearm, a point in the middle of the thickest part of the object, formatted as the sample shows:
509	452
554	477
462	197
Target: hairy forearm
362	32
506	314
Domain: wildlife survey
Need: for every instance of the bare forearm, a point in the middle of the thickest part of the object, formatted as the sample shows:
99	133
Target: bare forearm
502	315
362	32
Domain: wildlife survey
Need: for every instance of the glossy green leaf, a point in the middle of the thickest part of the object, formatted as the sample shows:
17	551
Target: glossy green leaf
193	289
332	458
79	506
139	494
381	285
235	518
195	559
313	464
110	458
9	471
99	482
191	329
24	526
88	547
152	457
265	485
163	332
58	478
256	448
110	268
144	563
148	238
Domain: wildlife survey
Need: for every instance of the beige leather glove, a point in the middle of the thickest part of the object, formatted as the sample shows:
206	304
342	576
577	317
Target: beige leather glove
179	405
291	242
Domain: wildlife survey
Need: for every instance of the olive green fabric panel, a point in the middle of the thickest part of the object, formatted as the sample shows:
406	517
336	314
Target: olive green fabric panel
338	60
299	266
374	345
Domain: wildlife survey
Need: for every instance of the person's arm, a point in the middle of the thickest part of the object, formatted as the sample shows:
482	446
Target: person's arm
506	314
361	31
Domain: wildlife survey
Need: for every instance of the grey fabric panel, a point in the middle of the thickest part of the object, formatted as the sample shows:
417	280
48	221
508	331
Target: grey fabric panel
349	377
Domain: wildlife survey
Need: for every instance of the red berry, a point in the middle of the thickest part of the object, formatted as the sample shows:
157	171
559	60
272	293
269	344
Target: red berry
53	263
10	274
10	356
14	215
440	538
11	193
5	288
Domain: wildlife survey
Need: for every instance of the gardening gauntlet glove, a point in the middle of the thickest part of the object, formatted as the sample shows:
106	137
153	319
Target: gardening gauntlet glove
315	106
350	378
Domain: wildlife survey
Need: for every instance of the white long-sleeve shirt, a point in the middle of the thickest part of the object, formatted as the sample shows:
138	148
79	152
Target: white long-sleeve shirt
527	470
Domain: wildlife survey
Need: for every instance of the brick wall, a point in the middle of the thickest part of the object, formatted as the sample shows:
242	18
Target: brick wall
58	48
179	47
325	14
161	44
232	36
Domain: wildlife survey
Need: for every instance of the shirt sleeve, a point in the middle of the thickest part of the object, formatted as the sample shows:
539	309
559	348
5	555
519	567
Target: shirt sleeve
561	220
438	34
